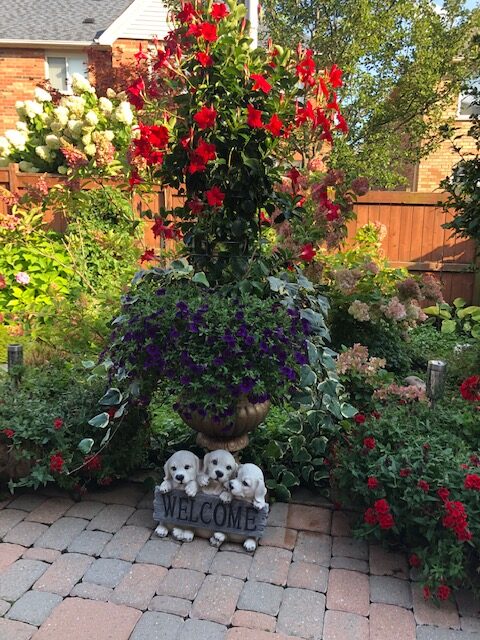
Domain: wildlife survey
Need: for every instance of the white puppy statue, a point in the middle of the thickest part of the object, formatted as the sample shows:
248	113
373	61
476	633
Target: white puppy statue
181	471
249	485
219	467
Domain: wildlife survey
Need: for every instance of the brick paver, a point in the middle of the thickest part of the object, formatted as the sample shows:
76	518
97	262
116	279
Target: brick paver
95	569
79	619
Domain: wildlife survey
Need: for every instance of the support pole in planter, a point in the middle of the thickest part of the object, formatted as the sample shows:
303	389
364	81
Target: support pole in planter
14	360
436	375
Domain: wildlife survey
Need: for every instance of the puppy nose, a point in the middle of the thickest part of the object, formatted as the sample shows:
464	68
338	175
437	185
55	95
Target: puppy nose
219	473
179	477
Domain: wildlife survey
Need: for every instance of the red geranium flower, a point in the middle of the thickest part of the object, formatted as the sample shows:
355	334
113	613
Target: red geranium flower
205	118
308	252
219	11
372	482
275	125
414	561
260	83
443	493
370	516
208	31
470	389
93	463
215	197
472	481
375	415
386	521
57	423
369	442
424	486
8	432
254	118
148	255
443	592
381	506
204	59
427	594
404	473
56	462
360	418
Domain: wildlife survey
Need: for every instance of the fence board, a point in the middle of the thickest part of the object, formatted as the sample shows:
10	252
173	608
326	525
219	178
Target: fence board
415	238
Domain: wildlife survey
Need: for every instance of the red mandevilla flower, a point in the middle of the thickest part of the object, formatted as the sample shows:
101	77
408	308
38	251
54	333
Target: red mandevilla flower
215	197
335	76
369	443
187	13
208	31
470	389
159	229
424	486
372	482
443	592
205	118
56	462
195	205
260	83
204	59
414	561
219	11
472	481
148	255
275	125
308	253
254	118
360	418
134	93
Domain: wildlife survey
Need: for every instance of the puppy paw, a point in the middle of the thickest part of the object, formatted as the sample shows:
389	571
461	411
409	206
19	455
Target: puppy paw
161	531
188	535
225	496
250	544
217	539
191	489
203	479
178	534
258	504
166	486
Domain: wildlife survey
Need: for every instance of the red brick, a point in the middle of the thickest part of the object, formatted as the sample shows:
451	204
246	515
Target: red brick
348	591
9	553
308	518
394	623
254	620
279	537
340	625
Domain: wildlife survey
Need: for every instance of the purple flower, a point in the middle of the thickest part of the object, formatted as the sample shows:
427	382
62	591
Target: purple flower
160	292
301	358
246	385
218	361
22	278
229	339
288	373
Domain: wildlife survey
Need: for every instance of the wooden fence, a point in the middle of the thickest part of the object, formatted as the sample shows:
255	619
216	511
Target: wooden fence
415	238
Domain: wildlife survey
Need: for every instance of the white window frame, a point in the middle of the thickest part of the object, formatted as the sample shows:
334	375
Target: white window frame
66	55
460	116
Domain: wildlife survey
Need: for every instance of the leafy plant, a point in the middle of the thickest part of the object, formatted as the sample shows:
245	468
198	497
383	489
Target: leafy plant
458	318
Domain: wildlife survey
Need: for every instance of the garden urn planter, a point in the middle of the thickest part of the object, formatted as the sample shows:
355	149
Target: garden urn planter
227	433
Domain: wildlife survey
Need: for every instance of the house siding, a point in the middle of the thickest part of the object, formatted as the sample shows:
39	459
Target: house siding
152	21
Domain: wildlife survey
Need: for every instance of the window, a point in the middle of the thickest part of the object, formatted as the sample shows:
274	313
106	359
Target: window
466	106
60	68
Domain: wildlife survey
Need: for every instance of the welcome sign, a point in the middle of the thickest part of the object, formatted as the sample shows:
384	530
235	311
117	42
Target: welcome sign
209	512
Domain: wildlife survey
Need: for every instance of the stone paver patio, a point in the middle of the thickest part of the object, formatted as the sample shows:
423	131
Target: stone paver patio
94	570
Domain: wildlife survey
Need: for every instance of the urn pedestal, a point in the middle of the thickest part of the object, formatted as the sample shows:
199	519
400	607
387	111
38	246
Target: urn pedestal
231	433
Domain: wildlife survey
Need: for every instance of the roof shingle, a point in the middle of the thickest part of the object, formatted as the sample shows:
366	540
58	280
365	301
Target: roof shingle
58	20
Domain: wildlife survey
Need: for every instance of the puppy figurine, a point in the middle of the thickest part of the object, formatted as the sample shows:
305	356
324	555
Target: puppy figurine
219	467
249	485
181	471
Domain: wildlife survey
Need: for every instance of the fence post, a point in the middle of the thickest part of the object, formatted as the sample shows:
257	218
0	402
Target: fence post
12	177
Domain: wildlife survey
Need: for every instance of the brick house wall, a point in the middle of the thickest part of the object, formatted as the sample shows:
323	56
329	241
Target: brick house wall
21	71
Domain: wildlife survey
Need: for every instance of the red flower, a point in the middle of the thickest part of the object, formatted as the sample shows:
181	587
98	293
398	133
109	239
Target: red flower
219	11
204	59
456	519
360	418
308	252
370	516
386	521
443	493
3	282
201	155
443	592
134	179
264	219
341	123
404	473
8	432
472	481
195	205
372	482
381	506
294	174
205	118
159	229
275	125
369	443
260	83
134	92
375	415
470	389
139	56
254	118
215	197
335	76
187	13
306	68
57	423
148	255
427	594
93	463
208	31
414	561
56	462
424	486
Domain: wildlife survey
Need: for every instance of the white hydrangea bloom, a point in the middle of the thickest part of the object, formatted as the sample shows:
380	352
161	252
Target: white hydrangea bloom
33	108
111	93
91	118
109	135
56	128
87	138
27	167
75	128
75	104
4	146
17	139
20	108
62	170
43	152
21	126
105	105
123	113
52	141
61	113
80	84
122	95
90	149
41	95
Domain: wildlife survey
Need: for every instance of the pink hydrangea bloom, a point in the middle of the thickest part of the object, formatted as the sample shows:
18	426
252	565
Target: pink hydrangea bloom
394	310
22	278
359	310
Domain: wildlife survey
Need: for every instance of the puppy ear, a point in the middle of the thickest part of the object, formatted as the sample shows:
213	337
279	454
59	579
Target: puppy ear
206	461
260	490
166	471
197	464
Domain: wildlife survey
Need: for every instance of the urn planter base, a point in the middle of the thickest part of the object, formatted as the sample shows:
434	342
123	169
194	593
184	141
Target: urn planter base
231	444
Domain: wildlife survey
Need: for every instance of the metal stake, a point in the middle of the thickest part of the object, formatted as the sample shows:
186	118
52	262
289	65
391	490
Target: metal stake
15	361
436	376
